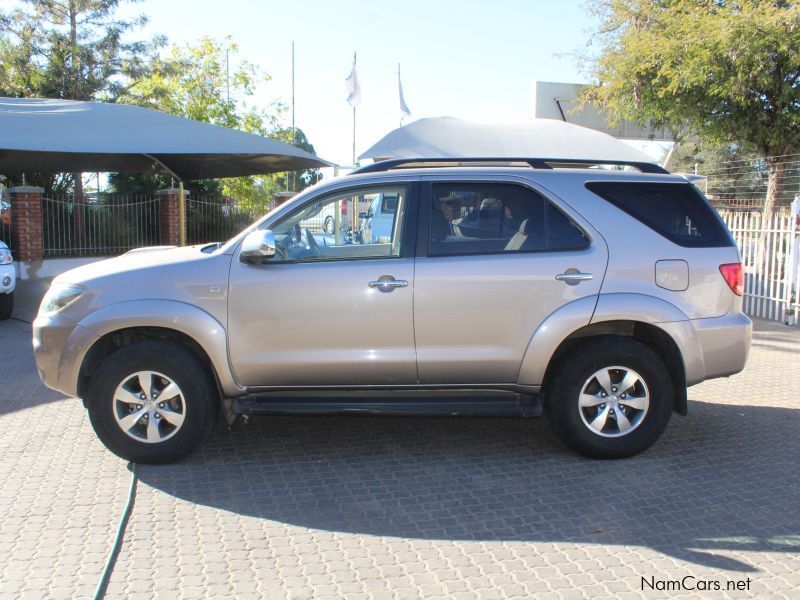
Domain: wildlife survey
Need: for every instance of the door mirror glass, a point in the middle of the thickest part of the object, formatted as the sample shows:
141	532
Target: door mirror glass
258	247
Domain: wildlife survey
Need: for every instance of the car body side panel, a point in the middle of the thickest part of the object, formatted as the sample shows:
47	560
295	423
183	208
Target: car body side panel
320	323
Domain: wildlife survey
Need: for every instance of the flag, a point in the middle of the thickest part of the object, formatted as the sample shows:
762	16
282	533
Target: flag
404	110
353	89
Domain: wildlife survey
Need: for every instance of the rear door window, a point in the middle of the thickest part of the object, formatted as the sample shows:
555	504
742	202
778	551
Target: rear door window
490	218
677	211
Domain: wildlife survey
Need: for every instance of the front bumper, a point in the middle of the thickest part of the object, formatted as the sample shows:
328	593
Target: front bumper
59	345
8	278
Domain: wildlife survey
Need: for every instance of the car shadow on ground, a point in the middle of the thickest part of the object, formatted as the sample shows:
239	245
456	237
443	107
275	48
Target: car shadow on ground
725	479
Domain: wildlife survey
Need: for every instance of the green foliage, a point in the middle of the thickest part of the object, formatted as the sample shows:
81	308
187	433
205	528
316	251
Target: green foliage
728	72
192	81
72	49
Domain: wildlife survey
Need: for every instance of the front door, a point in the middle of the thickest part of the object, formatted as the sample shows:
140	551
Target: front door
486	277
332	308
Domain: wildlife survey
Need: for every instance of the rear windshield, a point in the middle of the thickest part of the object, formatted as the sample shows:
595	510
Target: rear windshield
675	210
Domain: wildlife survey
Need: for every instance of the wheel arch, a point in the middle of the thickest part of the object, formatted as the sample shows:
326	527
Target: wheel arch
120	324
651	320
119	338
649	334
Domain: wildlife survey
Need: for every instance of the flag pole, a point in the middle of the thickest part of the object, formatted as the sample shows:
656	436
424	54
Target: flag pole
354	119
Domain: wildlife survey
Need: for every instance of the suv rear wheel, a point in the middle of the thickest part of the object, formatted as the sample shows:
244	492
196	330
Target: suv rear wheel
152	402
610	397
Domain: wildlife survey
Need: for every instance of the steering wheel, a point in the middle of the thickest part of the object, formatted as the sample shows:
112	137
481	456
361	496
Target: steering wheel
313	246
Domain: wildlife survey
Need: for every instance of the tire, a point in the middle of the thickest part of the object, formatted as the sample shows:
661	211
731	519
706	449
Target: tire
329	225
595	428
6	306
194	409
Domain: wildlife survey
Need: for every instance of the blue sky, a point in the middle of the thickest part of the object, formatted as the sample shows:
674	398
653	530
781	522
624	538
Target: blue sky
469	59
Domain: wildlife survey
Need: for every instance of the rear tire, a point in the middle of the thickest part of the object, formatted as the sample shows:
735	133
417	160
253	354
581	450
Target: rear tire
590	412
141	427
329	225
6	306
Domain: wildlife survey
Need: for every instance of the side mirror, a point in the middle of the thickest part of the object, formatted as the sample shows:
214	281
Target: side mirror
257	247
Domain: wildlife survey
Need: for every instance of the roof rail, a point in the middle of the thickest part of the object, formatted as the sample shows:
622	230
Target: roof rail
535	163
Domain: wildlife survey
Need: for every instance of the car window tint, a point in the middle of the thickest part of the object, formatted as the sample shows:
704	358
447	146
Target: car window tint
343	225
677	211
488	218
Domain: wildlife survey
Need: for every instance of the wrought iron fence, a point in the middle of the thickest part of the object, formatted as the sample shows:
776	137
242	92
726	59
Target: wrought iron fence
210	219
99	226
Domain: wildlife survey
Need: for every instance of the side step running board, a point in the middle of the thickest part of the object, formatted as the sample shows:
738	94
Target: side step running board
466	403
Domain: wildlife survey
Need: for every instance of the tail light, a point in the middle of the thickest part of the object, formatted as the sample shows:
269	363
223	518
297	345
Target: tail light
734	277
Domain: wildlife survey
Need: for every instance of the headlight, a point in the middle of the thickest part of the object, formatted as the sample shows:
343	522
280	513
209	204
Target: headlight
5	256
58	297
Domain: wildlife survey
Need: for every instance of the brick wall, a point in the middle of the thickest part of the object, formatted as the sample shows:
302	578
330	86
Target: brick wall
169	213
27	238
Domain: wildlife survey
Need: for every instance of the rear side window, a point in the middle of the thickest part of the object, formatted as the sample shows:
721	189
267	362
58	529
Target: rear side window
675	210
489	218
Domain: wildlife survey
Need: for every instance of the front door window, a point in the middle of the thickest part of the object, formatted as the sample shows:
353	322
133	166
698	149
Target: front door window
345	225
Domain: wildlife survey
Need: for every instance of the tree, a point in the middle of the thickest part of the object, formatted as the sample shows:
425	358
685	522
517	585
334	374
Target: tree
728	72
195	81
70	49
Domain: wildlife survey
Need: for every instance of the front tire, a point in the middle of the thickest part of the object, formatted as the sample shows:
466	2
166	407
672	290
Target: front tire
152	402
329	225
6	306
610	397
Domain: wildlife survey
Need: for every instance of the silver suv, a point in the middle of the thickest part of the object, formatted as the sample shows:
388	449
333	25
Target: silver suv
597	295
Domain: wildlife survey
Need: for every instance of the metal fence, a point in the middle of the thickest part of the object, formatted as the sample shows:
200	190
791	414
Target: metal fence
106	225
215	220
743	183
770	259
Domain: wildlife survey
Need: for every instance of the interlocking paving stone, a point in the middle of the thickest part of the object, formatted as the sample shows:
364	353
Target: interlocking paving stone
369	507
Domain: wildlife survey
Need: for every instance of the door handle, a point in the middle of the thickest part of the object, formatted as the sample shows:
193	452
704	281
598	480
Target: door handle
387	283
574	276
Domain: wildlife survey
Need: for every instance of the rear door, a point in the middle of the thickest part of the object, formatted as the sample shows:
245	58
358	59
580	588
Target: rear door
484	285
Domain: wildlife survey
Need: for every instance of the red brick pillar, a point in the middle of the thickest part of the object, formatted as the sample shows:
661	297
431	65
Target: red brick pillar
169	212
27	232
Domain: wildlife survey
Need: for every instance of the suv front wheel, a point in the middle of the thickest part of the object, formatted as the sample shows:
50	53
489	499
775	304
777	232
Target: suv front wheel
152	402
610	397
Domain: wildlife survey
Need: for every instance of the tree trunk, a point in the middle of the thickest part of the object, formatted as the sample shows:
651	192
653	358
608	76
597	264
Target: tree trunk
777	175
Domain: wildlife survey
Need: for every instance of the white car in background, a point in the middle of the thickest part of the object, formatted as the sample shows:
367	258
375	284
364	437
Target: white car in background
8	281
377	223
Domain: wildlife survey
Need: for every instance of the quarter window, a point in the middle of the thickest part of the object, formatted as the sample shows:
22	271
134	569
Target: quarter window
489	218
677	211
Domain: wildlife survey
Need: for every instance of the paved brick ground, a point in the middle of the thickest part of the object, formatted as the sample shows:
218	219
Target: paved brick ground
362	507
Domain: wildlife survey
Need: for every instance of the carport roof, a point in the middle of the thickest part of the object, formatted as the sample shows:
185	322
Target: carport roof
67	136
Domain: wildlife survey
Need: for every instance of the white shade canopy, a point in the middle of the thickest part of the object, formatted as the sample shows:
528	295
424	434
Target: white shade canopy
447	137
39	135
